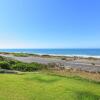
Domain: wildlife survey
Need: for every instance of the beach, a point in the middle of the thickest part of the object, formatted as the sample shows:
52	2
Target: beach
79	63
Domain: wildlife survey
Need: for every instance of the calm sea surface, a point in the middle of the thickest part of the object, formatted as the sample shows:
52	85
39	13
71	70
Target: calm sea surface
71	52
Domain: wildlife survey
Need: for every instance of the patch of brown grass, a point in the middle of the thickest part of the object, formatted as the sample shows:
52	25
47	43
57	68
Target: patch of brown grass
73	72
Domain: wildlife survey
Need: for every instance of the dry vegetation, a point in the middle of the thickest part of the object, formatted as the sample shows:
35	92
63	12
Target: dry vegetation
75	72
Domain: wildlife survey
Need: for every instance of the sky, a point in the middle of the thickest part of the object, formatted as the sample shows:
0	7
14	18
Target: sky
49	23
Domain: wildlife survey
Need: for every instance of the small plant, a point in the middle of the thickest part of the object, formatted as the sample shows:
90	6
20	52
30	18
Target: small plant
45	56
75	58
93	64
64	58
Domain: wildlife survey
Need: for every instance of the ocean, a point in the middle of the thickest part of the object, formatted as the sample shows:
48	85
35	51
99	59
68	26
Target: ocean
65	52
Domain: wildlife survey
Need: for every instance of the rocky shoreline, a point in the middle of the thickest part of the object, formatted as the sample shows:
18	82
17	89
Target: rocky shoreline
82	64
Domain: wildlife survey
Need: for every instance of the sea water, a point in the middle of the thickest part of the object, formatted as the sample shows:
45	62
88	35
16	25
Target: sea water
65	52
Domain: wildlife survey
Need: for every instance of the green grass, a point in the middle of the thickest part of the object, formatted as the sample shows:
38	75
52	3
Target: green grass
23	54
20	54
41	86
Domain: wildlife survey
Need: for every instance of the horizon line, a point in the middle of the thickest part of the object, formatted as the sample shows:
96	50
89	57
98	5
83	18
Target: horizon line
49	48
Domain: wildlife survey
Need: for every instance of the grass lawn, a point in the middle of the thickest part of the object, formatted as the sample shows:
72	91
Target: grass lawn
40	86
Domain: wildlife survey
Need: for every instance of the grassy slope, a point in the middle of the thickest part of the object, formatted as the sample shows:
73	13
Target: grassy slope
39	86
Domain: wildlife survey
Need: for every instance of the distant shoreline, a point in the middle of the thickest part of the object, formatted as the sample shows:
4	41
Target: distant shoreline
56	55
83	56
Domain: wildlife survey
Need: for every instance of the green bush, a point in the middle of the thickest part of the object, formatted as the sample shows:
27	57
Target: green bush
8	63
64	58
13	62
93	64
2	58
28	67
36	66
20	54
4	65
20	66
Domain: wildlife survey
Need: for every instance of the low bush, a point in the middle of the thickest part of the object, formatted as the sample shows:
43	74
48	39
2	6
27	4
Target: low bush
19	67
64	58
8	63
13	62
93	64
4	65
2	58
45	56
28	67
20	54
37	66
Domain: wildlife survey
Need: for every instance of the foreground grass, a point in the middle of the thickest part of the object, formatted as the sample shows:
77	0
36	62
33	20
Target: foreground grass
41	86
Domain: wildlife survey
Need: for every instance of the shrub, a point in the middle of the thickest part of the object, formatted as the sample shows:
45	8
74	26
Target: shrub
36	66
93	64
20	54
4	65
33	55
45	56
19	66
28	67
2	58
64	58
9	63
13	62
75	57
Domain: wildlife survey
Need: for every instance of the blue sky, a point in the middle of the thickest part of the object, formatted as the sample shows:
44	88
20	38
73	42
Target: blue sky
49	23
